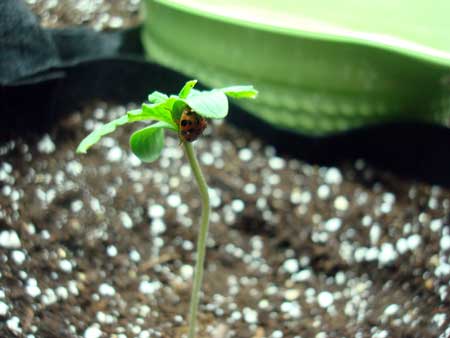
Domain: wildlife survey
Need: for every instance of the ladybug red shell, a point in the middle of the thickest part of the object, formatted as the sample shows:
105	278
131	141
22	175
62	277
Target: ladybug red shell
191	125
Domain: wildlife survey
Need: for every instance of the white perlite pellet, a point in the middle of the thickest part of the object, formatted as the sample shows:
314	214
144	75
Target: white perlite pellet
9	239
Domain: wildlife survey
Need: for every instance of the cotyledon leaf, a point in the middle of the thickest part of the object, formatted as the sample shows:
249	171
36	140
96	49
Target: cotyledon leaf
147	143
211	104
240	92
214	104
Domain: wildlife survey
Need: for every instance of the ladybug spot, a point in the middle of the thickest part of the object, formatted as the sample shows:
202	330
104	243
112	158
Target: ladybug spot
184	123
189	113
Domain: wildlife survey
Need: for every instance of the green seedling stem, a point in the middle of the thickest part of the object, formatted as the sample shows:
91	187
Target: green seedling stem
202	236
147	144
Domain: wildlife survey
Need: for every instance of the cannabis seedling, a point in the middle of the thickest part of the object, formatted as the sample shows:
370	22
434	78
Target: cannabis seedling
184	114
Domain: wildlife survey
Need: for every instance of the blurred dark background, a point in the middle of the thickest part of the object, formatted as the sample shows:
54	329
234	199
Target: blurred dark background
48	73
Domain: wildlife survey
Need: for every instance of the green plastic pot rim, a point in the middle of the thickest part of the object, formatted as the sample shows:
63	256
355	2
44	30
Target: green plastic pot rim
314	30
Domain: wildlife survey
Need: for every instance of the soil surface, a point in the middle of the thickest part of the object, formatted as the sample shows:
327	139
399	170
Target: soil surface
97	14
101	245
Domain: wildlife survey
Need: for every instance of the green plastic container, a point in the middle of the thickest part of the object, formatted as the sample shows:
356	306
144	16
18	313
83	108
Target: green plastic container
321	67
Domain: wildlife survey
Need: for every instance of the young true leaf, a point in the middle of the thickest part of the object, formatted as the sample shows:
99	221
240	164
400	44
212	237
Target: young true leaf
240	92
184	92
177	109
210	104
159	112
148	142
106	129
157	97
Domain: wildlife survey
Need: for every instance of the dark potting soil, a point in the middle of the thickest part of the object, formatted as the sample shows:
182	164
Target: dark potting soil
102	245
97	14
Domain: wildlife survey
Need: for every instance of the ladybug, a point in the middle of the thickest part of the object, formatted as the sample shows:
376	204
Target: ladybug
191	125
